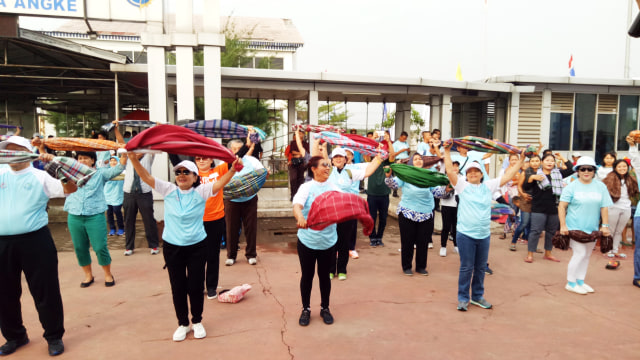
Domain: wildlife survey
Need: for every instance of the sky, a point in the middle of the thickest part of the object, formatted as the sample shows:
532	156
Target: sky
429	38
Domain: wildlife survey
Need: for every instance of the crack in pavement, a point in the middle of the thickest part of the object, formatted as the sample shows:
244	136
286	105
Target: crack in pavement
266	290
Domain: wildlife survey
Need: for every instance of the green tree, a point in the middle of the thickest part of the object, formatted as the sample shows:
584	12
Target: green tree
75	125
416	120
332	113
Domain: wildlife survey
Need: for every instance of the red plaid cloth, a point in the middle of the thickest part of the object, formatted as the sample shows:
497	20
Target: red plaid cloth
180	141
316	128
334	207
362	148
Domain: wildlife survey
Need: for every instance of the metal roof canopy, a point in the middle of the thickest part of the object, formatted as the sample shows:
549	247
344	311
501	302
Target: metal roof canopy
282	85
41	69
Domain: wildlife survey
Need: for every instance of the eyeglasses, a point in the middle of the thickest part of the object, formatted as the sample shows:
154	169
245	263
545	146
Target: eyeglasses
586	169
201	158
325	164
182	172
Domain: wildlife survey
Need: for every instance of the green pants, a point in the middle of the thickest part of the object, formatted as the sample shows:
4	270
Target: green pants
89	230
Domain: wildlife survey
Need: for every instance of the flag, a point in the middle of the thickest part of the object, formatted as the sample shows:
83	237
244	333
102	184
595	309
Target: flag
572	70
384	112
459	73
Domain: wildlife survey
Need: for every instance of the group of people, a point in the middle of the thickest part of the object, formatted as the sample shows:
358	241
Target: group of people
196	220
560	195
550	194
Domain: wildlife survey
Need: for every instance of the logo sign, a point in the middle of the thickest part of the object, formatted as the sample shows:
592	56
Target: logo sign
139	3
114	10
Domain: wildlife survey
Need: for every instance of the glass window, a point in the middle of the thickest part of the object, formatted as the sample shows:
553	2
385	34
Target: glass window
605	139
628	119
583	122
560	134
277	63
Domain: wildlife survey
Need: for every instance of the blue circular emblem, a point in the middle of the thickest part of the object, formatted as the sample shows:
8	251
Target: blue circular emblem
139	3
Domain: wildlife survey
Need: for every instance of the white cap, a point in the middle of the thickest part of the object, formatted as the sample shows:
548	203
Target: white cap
576	154
349	150
189	165
17	140
585	161
338	152
473	165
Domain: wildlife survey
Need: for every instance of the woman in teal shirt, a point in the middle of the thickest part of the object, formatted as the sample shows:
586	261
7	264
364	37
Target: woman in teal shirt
583	204
415	219
86	221
474	226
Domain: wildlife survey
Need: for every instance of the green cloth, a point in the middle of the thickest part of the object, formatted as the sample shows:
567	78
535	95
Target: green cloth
419	177
375	184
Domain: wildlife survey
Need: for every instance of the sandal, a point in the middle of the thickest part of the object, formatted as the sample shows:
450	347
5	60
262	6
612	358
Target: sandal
512	247
551	258
503	236
621	256
528	259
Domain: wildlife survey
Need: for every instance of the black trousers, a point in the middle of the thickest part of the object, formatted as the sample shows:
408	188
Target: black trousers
246	214
378	206
346	231
34	254
215	231
296	178
414	233
449	223
308	258
186	275
131	204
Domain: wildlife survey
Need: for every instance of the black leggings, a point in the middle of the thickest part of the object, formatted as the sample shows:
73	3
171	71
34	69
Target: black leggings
186	274
308	258
347	232
449	222
414	233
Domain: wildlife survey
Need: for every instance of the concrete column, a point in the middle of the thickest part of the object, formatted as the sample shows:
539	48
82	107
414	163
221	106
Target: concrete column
157	80
291	117
184	82
435	112
545	121
514	113
445	117
212	80
313	107
403	118
500	127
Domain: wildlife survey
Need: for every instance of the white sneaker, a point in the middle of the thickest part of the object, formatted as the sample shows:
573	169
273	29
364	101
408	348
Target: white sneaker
456	250
443	251
576	289
586	288
128	252
252	261
155	251
353	254
229	262
430	245
198	331
181	333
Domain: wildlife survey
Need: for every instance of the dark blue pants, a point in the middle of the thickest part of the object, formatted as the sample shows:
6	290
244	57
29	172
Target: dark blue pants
378	206
117	211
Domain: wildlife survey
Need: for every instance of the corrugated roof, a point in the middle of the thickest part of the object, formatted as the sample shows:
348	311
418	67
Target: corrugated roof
249	28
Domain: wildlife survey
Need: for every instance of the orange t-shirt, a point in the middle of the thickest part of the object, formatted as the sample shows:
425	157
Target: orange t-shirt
214	209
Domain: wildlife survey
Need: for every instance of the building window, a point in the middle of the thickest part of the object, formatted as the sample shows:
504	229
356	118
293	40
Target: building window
560	132
628	119
606	134
583	122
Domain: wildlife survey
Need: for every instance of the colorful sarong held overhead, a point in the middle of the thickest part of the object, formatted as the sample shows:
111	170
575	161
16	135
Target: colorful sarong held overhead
179	141
131	123
334	207
225	129
499	210
341	140
245	185
422	178
316	128
482	145
81	144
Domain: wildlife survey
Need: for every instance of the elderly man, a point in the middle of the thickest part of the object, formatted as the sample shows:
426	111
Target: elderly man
138	196
242	211
26	246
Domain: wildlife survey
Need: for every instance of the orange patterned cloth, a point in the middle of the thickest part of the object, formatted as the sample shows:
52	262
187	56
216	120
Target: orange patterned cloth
81	144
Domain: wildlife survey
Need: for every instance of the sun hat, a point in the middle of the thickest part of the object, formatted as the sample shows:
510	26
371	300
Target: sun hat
584	161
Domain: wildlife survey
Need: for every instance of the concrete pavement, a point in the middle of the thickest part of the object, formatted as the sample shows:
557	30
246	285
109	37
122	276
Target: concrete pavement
379	312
